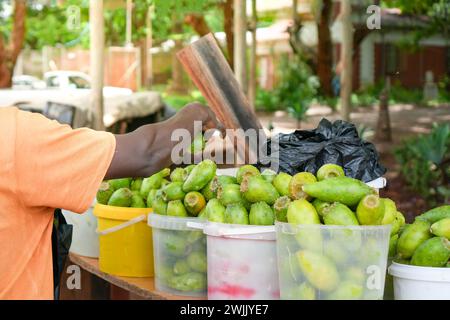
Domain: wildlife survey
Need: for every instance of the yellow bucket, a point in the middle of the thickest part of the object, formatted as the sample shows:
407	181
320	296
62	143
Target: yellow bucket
126	242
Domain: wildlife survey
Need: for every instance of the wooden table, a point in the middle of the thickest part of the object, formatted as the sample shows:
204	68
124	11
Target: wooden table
138	288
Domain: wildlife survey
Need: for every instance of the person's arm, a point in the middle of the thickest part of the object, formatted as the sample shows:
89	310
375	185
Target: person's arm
148	149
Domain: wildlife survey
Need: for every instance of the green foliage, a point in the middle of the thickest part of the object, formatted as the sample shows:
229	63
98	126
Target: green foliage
179	101
295	91
425	164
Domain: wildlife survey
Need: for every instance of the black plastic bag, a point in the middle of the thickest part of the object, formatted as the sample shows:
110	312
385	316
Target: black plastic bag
336	142
61	241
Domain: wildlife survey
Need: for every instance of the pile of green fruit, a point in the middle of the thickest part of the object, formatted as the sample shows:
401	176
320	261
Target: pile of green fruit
425	242
124	192
331	263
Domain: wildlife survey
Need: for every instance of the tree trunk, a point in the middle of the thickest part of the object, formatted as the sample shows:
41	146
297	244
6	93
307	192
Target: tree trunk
228	13
325	49
240	46
346	59
383	131
252	62
177	86
10	53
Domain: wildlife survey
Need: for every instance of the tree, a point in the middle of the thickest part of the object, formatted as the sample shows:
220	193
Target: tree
9	52
325	48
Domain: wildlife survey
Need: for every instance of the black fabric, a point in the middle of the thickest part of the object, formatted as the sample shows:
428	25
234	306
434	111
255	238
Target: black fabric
338	142
61	241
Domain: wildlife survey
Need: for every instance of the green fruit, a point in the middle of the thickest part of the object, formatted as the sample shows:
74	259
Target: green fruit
159	206
178	175
412	237
173	244
399	221
220	181
207	193
330	170
117	184
302	292
434	252
192	281
136	184
390	211
121	198
393	245
189	168
441	228
246	171
176	208
435	214
150	197
194	202
215	211
268	175
281	207
193	236
200	176
303	212
370	210
261	214
336	252
137	201
230	194
173	191
355	275
198	145
256	189
296	185
345	190
319	270
181	267
153	182
320	206
104	192
236	214
197	261
347	290
202	215
281	183
339	214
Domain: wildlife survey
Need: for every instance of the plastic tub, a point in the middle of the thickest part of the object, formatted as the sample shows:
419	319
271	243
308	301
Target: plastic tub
84	236
420	283
125	241
332	262
241	262
179	247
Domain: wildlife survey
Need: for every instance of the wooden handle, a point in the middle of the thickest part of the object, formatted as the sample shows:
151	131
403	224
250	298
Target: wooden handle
209	70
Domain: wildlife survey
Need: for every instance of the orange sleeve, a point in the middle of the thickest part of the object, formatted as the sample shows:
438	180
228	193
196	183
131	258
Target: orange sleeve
57	166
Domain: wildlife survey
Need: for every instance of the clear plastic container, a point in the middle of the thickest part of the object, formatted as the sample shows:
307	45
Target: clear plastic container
179	248
321	262
241	262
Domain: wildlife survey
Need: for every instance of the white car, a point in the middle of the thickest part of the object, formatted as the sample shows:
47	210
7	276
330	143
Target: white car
24	82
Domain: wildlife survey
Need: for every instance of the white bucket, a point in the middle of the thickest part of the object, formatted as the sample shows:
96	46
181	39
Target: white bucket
242	262
84	237
420	283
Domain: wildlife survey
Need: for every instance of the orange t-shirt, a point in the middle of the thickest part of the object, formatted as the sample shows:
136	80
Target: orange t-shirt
43	165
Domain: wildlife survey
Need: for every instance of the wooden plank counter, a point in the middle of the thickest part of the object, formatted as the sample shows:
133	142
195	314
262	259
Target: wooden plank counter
142	287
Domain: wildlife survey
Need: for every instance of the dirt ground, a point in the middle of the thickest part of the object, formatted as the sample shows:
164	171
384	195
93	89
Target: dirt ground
406	121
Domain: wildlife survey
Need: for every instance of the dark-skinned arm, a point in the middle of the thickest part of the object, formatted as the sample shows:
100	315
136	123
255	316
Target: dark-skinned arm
148	149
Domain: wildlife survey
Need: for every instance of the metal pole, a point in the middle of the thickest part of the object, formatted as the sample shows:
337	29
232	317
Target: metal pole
97	47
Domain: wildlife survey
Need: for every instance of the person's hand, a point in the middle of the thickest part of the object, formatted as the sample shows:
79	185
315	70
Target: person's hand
149	148
196	112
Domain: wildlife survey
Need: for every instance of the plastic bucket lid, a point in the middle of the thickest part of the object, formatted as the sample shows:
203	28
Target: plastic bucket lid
175	223
119	213
419	273
239	231
290	228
